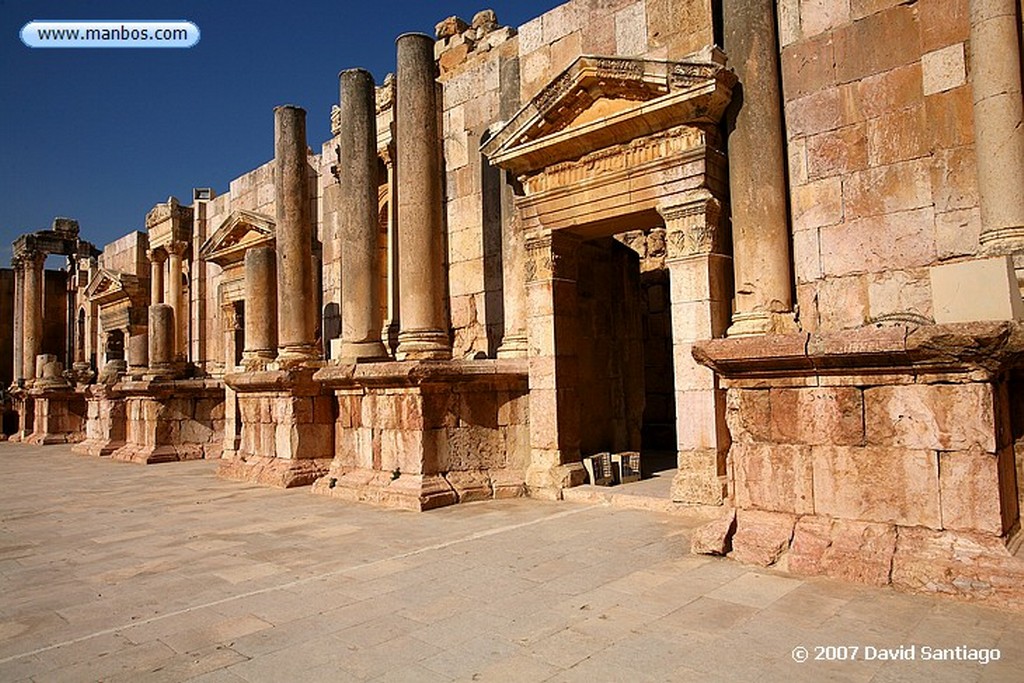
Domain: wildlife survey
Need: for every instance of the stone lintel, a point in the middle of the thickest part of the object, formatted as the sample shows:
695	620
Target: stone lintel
980	349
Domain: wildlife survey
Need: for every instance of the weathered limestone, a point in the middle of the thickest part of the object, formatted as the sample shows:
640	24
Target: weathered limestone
845	444
296	336
18	362
161	342
360	262
32	342
171	421
261	307
157	257
757	173
700	293
420	435
514	343
424	328
998	122
105	423
175	252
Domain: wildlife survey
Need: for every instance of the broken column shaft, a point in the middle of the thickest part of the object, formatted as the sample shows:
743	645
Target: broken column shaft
260	305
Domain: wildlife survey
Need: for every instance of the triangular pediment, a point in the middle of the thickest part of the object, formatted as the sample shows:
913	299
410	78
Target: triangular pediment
111	285
598	102
239	231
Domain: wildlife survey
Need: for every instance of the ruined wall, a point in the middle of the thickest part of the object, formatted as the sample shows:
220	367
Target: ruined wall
881	157
127	255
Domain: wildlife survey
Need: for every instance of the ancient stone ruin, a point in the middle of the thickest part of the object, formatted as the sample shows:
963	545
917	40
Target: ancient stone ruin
779	241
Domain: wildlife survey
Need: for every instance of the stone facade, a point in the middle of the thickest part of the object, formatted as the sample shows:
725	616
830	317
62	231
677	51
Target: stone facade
626	225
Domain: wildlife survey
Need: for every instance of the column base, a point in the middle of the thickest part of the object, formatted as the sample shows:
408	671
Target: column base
270	471
406	492
423	345
1002	241
153	455
514	346
547	483
362	352
296	354
754	323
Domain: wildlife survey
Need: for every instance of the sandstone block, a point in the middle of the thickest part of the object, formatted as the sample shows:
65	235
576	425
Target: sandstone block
851	551
931	416
943	69
877	484
828	416
761	537
807	66
714	538
969	483
748	415
451	26
774	477
877	43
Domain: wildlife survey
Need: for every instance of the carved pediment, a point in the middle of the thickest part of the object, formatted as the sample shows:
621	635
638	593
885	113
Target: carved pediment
240	230
598	102
110	286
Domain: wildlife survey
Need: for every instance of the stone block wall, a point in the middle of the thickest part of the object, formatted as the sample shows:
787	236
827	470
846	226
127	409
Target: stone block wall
881	157
286	425
127	255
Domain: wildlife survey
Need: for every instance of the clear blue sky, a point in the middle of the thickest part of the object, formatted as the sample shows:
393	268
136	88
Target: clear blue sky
103	135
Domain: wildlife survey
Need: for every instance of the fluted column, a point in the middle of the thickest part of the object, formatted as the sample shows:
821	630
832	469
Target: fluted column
423	330
757	173
18	362
296	301
156	276
360	259
513	280
998	123
260	307
389	332
175	252
33	312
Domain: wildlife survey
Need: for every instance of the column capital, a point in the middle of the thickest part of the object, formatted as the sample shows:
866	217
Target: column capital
551	256
176	248
32	258
156	255
694	226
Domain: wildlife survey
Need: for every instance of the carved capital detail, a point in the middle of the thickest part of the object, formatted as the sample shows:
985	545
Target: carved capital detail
551	256
693	227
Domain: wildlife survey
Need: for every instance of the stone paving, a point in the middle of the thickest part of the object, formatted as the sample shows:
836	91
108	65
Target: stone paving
111	571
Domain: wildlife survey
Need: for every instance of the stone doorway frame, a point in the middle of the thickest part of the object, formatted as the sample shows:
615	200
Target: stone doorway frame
612	144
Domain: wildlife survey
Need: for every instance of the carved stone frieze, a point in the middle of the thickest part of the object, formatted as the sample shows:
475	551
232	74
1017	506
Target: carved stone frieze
551	256
693	227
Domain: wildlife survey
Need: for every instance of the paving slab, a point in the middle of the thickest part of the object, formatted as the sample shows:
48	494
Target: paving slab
112	571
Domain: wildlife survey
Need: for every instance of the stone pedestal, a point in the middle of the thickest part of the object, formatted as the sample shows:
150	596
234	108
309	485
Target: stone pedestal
882	456
171	420
59	415
421	435
287	436
105	424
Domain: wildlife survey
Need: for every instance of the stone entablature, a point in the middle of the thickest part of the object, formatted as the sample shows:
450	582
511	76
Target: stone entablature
169	222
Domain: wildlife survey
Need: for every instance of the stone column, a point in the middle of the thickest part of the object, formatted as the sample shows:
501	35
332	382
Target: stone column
260	307
33	312
554	376
175	251
389	332
161	340
513	279
424	326
296	303
998	123
138	349
156	276
757	173
18	361
357	206
700	307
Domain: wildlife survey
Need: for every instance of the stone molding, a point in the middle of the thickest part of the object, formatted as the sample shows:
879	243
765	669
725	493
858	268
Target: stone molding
551	256
694	227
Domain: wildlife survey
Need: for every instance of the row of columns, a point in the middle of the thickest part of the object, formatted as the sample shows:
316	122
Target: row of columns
423	332
28	318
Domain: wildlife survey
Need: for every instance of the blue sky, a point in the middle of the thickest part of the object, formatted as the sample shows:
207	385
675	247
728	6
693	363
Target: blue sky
103	135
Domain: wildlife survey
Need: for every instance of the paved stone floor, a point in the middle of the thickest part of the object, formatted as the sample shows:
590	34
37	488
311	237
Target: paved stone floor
111	571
